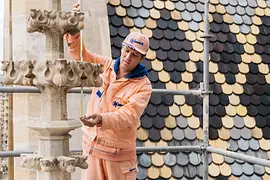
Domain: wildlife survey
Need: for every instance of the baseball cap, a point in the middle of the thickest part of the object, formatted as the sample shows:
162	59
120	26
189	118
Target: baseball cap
137	41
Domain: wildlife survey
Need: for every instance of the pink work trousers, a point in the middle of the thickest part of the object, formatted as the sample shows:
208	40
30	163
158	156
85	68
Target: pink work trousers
100	169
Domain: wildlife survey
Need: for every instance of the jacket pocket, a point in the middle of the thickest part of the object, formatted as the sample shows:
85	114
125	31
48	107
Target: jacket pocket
129	169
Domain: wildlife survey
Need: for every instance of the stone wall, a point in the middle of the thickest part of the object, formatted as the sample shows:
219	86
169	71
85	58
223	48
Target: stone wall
32	46
3	133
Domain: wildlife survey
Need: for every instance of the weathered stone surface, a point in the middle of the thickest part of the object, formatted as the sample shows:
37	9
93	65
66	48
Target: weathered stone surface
48	21
56	73
55	164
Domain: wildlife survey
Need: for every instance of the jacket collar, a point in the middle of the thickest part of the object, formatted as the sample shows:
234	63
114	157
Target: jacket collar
138	72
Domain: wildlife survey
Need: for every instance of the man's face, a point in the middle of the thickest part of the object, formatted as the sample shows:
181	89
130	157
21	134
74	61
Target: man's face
129	58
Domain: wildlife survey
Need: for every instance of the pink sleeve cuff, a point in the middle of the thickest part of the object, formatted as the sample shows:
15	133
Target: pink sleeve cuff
73	38
105	121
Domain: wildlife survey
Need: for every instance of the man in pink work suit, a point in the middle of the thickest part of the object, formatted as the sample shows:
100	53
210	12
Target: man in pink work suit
114	110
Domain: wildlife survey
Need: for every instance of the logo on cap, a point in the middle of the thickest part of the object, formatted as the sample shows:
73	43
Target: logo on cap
135	41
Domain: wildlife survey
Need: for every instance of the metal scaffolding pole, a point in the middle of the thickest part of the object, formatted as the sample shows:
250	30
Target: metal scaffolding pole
243	157
27	89
247	158
169	149
205	90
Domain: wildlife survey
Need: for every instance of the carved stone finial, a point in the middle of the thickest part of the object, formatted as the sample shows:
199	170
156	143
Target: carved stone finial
48	21
57	73
49	164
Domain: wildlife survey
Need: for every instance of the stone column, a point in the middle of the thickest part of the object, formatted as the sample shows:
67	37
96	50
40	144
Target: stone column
53	77
53	160
33	46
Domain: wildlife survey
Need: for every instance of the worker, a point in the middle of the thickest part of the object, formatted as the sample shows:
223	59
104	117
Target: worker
114	109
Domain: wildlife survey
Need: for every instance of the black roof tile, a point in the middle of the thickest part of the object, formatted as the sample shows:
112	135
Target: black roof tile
146	121
213	133
158	122
154	134
252	110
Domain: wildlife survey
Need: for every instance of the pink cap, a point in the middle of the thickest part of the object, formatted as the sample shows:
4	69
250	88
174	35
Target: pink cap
137	41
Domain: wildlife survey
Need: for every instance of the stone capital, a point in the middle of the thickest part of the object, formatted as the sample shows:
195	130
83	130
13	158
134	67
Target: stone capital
54	164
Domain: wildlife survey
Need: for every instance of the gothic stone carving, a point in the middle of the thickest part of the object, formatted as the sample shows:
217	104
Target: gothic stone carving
48	164
56	73
48	21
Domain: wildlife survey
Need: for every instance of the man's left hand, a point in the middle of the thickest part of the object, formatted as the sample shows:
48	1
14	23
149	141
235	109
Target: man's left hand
91	120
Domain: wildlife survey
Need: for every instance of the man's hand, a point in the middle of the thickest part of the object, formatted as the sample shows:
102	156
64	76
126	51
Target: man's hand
92	120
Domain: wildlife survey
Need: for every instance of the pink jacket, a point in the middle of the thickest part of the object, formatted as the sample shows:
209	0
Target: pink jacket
120	102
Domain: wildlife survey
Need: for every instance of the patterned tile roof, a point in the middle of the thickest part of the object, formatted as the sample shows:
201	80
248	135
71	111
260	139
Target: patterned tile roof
239	78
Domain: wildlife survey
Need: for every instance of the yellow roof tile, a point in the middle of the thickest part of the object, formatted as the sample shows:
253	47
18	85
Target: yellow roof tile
193	122
166	134
157	65
226	88
255	58
171	85
174	110
187	77
120	11
264	144
169	5
186	110
142	134
237	88
213	170
155	14
213	67
225	169
219	77
164	76
243	68
224	133
170	121
199	133
249	122
153	172
257	132
159	4
165	172
240	78
176	15
128	22
241	110
150	23
234	28
191	66
157	159
230	110
183	25
227	122
179	100
263	68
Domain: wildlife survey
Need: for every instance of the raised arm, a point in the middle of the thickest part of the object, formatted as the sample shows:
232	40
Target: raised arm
74	50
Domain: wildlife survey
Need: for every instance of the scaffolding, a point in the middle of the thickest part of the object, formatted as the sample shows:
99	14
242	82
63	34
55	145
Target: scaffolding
203	91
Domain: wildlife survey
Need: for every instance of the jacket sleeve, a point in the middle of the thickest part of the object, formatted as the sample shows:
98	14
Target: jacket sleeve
74	50
127	115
